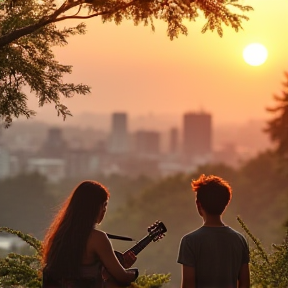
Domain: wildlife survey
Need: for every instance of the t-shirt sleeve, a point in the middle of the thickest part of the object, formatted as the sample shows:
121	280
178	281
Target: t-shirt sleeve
245	253
186	255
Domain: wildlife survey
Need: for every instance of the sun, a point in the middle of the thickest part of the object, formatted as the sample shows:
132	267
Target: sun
255	54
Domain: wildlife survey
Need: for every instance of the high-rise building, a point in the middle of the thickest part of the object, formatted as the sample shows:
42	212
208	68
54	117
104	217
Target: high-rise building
119	138
54	145
197	135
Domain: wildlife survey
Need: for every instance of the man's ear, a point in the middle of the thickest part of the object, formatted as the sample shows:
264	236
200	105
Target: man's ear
199	208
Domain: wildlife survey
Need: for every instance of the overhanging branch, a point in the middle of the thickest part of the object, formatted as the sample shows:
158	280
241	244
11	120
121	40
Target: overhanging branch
96	14
18	33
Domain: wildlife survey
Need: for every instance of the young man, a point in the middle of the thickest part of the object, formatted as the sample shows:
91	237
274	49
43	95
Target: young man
215	255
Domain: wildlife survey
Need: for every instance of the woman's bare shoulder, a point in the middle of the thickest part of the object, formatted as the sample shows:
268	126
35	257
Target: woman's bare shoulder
99	241
98	236
97	232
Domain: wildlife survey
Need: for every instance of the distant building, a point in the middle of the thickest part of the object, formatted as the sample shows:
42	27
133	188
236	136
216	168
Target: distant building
173	140
52	169
147	143
119	139
19	160
4	159
136	166
83	162
54	146
77	163
197	136
4	163
228	155
11	242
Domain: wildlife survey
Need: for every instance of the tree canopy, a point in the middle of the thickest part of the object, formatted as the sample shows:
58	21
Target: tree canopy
28	31
277	127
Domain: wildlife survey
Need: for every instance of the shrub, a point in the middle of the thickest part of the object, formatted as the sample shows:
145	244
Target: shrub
25	270
268	269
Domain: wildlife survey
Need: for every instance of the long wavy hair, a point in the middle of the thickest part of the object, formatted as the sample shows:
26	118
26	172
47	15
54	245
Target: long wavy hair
66	238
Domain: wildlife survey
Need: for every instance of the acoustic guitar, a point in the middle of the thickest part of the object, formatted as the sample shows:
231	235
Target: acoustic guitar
155	233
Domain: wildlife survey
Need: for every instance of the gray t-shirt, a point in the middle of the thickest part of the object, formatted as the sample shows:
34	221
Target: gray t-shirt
216	253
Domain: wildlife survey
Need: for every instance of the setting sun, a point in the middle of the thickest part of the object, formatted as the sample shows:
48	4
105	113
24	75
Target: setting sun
255	54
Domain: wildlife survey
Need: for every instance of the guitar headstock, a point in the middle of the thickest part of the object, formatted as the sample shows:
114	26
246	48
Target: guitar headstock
157	230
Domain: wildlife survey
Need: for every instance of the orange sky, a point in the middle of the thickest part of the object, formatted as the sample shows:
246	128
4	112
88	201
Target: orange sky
135	70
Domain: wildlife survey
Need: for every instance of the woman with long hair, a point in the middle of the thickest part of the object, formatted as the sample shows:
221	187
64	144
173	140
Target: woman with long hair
75	252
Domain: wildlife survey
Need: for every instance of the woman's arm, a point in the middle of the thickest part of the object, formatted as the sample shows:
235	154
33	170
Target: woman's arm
101	246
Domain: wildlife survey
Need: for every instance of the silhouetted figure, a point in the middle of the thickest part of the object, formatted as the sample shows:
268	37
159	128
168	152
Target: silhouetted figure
75	252
214	255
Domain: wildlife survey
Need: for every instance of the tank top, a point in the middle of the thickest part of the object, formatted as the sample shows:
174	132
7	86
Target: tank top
90	277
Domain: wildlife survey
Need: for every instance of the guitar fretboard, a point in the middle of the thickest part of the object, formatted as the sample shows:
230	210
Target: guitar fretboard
136	249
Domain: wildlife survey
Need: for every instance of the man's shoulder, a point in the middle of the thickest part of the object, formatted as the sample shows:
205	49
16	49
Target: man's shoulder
239	234
194	233
204	231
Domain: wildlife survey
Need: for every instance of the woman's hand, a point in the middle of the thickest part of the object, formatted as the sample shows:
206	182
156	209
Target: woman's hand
129	259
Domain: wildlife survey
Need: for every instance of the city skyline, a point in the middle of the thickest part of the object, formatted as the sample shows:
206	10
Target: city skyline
248	137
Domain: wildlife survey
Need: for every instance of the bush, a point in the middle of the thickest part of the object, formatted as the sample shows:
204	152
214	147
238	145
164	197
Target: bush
268	270
21	270
25	270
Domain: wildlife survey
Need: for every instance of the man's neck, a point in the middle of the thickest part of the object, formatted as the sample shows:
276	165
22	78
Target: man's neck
213	221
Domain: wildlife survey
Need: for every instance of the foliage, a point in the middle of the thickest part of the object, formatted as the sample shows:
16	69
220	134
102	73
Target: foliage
29	61
28	32
151	280
26	203
268	269
121	187
277	128
25	271
20	270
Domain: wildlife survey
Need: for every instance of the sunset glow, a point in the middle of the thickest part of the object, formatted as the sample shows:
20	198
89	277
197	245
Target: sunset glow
255	54
126	65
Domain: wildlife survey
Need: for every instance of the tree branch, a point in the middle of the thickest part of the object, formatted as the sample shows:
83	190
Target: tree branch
96	14
18	33
80	7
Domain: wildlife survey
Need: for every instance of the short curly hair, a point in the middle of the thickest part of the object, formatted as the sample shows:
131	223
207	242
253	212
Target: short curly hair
213	193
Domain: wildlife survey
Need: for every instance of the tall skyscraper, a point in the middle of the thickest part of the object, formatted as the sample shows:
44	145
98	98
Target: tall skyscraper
119	140
197	135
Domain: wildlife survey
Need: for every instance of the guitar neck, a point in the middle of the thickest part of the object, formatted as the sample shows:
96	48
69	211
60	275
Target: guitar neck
137	248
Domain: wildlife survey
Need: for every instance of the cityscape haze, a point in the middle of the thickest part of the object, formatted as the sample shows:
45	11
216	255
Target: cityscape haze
151	145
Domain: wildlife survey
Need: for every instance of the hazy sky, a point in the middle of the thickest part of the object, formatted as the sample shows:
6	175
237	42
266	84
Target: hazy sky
130	68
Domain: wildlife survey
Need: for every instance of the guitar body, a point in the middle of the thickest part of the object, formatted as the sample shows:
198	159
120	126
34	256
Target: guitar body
156	232
108	280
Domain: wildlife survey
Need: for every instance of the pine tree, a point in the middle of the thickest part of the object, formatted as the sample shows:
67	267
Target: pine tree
277	128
